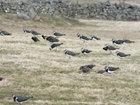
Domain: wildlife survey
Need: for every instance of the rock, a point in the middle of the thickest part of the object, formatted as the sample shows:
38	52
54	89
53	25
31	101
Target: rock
66	8
32	13
119	16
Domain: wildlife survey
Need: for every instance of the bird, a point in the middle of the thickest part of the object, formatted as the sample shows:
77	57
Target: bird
26	31
101	71
35	39
55	45
35	32
51	39
57	34
121	54
95	38
20	99
128	41
109	47
70	53
117	42
1	78
83	38
86	68
85	51
2	32
110	69
44	37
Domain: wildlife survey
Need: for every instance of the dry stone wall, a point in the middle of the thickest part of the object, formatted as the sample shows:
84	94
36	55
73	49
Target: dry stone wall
66	8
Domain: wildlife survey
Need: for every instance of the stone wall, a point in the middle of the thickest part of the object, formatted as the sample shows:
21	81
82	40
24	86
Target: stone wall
66	8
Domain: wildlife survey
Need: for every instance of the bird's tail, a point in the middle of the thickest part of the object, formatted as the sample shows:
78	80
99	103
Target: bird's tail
128	54
133	41
77	53
30	97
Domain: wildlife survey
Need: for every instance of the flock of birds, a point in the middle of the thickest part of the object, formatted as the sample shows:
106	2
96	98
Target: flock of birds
86	68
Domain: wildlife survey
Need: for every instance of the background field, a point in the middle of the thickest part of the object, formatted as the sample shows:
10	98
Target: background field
32	69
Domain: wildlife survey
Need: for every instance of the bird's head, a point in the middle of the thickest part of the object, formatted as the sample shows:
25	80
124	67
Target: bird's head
113	39
106	67
117	52
13	95
78	35
65	50
82	49
54	32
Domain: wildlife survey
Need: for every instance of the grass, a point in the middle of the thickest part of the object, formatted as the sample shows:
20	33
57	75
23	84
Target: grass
52	78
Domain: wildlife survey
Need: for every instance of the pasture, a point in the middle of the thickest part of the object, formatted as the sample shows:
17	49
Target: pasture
30	68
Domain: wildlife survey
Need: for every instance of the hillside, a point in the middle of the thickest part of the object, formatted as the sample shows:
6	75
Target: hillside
30	68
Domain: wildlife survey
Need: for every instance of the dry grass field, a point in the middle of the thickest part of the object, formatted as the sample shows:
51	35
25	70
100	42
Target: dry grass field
30	68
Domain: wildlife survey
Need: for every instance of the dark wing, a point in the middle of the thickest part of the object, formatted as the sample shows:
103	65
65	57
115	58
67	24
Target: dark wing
96	38
22	98
35	39
26	31
58	34
5	33
35	33
128	41
121	54
52	39
71	53
84	37
113	68
112	48
55	45
84	69
90	66
87	51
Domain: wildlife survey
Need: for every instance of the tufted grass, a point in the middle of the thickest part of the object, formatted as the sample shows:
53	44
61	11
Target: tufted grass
31	68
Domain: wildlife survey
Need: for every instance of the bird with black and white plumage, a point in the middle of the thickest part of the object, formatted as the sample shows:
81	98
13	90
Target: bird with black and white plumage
95	38
35	39
83	38
117	42
121	54
26	31
128	41
4	33
86	68
57	34
70	53
85	51
20	99
110	69
55	45
110	48
34	32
